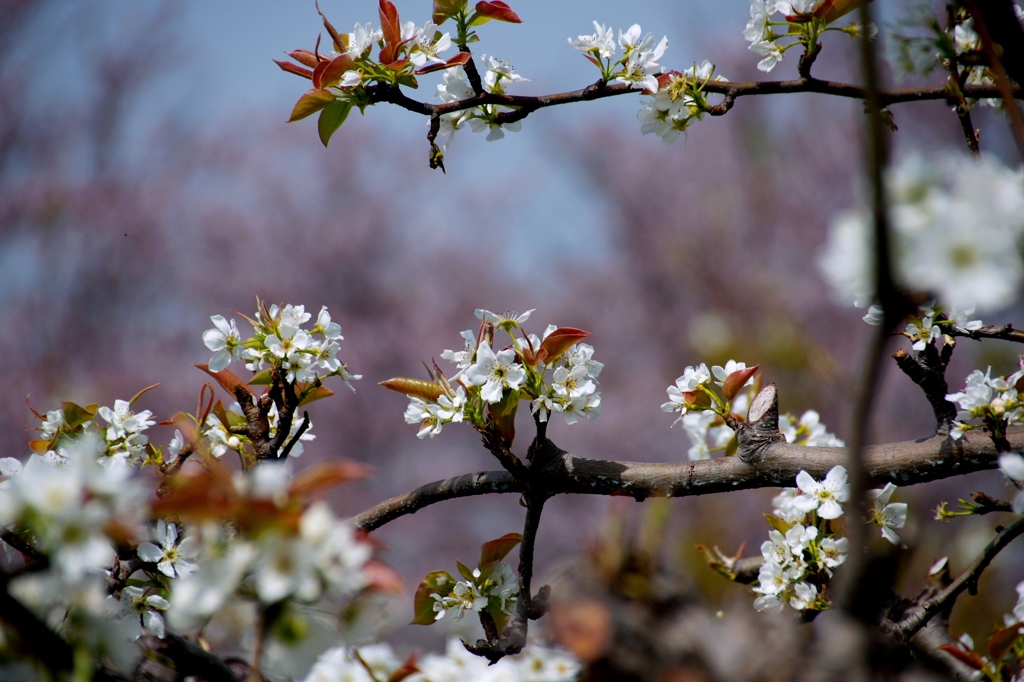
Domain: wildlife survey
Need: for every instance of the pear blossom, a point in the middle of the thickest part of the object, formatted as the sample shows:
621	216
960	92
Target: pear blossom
495	372
123	422
52	424
173	558
499	70
600	45
825	496
141	612
464	597
888	515
426	48
1012	465
957	224
225	342
362	39
804	596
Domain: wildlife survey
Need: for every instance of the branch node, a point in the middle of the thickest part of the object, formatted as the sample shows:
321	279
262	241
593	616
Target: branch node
761	429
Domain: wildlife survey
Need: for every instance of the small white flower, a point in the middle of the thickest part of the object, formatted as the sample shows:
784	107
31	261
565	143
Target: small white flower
225	342
886	515
495	372
172	558
824	497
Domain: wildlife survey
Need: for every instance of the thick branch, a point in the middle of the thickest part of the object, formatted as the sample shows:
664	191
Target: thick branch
190	659
1006	332
905	463
968	580
927	369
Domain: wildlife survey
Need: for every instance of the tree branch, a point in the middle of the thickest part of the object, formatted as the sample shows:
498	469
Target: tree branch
968	580
1006	332
927	369
905	463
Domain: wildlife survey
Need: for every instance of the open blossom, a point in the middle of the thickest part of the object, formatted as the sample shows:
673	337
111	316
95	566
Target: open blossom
1012	465
499	70
428	49
495	372
957	224
225	342
888	515
601	44
173	558
825	496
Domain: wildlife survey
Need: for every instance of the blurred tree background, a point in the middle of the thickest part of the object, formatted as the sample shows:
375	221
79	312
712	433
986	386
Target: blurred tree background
148	181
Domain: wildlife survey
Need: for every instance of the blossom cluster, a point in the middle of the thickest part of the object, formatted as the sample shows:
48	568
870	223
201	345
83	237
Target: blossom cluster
75	504
406	50
803	548
638	66
957	224
266	539
702	411
679	100
808	430
554	371
483	118
378	662
802	20
921	43
994	400
280	342
495	590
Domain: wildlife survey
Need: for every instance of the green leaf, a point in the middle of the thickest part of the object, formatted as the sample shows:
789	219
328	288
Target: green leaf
264	378
311	102
496	550
331	119
313	394
466	571
76	415
499	616
439	582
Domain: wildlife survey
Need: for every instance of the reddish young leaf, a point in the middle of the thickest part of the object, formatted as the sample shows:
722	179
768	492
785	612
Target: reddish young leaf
735	381
141	393
439	582
295	68
496	550
383	578
417	388
458	60
561	340
310	103
396	65
1003	641
340	42
304	57
696	399
830	10
228	381
335	69
323	475
497	10
969	657
503	414
446	9
389	23
408	668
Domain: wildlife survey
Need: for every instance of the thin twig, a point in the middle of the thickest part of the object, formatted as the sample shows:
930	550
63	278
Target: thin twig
1005	332
968	580
957	80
